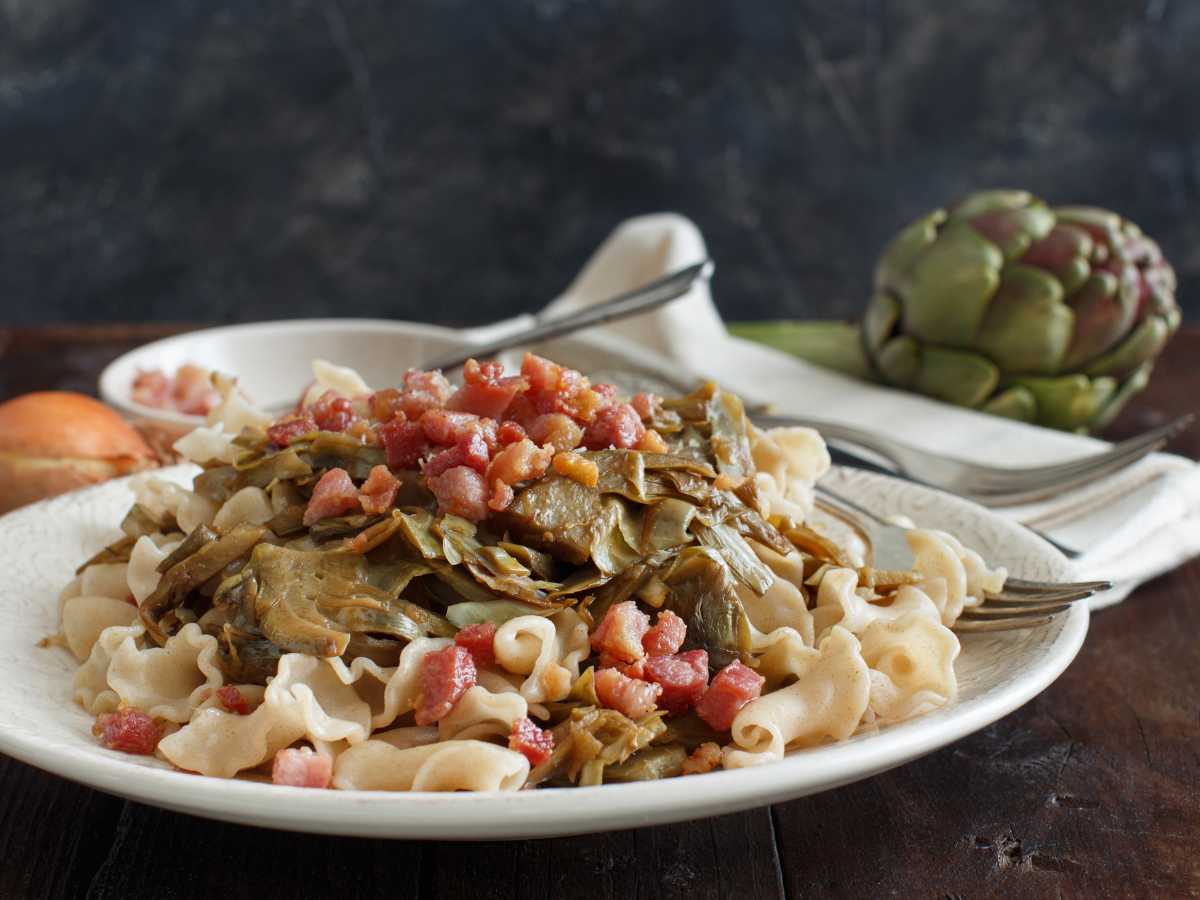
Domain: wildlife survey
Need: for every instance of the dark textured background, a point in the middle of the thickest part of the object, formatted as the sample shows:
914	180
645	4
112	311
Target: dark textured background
457	161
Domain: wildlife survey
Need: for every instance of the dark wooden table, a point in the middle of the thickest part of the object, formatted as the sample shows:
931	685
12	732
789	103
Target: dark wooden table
1092	789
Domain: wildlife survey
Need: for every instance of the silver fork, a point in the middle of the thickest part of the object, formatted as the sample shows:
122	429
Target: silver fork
1021	604
990	485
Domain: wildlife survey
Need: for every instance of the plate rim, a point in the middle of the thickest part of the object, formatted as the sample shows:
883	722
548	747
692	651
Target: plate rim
548	812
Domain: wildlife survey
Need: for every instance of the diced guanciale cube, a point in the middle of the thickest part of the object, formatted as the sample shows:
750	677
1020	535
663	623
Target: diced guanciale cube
445	676
334	495
731	689
536	744
620	633
378	492
631	696
287	430
233	700
704	758
301	767
618	426
461	491
479	639
129	730
682	678
667	635
557	430
404	442
332	412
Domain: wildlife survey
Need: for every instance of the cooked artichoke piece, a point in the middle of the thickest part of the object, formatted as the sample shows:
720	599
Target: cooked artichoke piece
702	593
342	526
201	536
738	555
191	572
329	450
691	731
664	761
311	601
590	739
540	564
498	611
139	521
116	552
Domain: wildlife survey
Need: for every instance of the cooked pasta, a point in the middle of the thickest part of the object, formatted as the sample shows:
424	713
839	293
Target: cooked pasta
522	582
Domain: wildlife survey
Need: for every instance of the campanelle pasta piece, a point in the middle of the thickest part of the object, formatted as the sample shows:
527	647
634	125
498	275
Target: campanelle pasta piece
481	714
827	700
90	683
538	647
105	580
330	377
205	444
167	682
234	412
912	666
408	736
788	462
143	576
784	603
162	497
840	602
388	692
85	617
250	505
73	589
940	556
306	699
445	766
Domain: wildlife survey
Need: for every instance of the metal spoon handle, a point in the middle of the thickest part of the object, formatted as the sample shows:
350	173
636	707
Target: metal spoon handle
647	297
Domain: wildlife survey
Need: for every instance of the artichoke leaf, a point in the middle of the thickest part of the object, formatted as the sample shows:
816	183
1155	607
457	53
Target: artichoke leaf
703	594
116	552
743	562
591	739
497	611
140	521
659	761
193	571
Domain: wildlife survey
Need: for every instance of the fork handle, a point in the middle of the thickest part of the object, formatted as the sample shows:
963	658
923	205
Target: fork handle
649	296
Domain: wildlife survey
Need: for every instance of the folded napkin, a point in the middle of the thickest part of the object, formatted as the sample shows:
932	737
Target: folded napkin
1130	526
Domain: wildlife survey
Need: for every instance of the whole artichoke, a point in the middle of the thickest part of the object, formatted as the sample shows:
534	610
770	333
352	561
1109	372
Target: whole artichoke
1001	303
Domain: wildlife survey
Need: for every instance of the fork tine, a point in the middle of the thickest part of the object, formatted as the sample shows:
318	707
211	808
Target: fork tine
1023	586
975	626
990	613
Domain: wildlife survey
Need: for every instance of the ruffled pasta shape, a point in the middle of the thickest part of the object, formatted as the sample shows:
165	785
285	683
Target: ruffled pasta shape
234	412
105	580
548	650
249	505
203	445
481	714
143	576
827	700
912	666
162	497
85	617
167	682
784	603
307	698
841	602
445	766
966	576
788	462
330	377
90	683
389	692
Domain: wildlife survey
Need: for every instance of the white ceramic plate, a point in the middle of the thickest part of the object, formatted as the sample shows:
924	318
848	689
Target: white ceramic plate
41	545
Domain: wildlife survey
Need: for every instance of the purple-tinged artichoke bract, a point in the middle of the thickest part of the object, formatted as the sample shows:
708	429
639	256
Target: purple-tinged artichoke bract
1001	303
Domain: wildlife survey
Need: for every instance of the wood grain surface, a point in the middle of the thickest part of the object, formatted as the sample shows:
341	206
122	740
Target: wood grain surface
1092	789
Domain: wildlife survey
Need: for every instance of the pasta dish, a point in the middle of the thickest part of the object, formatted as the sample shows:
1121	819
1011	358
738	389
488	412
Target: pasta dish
525	580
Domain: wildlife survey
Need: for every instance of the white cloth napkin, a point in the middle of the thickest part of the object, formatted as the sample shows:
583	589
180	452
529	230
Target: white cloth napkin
1130	527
